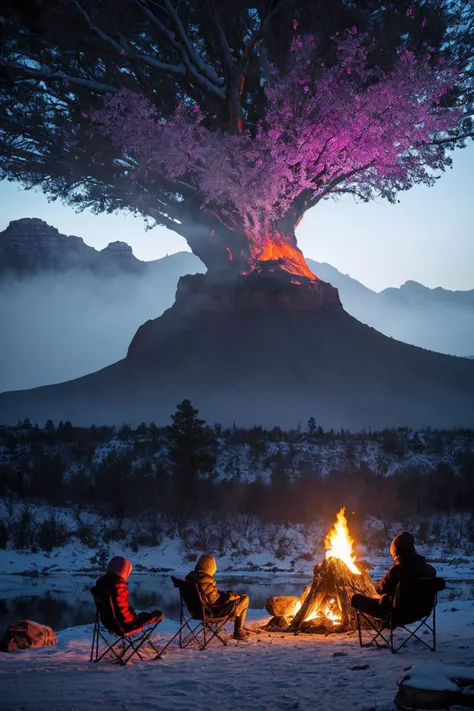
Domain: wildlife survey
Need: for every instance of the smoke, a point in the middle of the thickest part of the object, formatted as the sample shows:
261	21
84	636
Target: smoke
58	327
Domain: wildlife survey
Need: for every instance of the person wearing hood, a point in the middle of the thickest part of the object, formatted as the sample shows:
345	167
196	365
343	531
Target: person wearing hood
408	565
220	603
114	583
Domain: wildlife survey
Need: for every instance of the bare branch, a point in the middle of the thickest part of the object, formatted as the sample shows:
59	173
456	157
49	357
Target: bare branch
47	74
205	70
210	85
121	47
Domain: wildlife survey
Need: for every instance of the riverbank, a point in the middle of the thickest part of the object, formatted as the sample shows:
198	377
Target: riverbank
270	672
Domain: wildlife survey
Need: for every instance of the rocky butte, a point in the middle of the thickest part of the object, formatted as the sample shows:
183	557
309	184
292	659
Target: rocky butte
31	246
268	347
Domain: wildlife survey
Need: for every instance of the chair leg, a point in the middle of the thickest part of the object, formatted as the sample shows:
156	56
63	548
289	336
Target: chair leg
434	628
379	633
359	630
93	641
138	644
160	653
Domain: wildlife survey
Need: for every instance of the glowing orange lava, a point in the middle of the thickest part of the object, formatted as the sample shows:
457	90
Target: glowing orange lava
339	543
277	248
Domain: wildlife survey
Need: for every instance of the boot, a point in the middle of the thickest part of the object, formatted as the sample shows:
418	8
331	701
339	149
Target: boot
239	632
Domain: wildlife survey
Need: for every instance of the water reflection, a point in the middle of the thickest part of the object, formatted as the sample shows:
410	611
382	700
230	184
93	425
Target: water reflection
62	603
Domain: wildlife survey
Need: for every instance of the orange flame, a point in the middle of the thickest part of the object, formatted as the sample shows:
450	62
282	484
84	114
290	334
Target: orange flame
275	248
339	543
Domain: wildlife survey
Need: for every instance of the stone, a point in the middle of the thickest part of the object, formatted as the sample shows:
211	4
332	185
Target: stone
281	606
26	634
435	685
278	624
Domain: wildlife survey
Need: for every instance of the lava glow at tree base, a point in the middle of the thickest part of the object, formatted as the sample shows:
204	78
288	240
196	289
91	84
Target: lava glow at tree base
276	248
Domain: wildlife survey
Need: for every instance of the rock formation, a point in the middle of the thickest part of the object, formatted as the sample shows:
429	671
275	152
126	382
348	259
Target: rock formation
31	246
264	350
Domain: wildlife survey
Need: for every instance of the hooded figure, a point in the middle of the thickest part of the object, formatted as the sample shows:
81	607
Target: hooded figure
408	565
114	583
220	604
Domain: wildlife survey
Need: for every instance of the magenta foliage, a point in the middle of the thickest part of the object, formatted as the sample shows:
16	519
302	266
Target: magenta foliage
329	128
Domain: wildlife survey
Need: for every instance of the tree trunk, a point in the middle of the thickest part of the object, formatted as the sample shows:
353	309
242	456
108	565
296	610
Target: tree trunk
231	250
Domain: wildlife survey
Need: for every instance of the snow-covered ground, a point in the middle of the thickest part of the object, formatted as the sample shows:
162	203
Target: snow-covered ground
270	672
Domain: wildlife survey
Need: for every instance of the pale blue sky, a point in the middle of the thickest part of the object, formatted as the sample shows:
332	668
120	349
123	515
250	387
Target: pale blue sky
427	237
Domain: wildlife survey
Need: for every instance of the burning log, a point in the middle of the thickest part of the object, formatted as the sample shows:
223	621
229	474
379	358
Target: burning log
330	595
325	605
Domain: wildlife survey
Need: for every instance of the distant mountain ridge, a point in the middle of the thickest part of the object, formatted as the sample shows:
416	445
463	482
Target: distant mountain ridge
437	319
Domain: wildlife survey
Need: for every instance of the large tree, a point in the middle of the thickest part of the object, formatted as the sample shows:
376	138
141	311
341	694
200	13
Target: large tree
226	122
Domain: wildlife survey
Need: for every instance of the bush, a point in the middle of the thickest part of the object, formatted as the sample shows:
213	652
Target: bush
86	534
24	530
4	535
143	538
114	533
100	558
52	533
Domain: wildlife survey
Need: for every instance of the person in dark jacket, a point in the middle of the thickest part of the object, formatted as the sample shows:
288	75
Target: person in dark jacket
220	603
114	583
408	565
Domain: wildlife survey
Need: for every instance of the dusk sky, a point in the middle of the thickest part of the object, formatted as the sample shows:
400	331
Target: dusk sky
427	237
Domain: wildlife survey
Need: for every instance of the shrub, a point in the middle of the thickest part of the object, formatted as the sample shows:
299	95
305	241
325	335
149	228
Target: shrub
114	533
52	533
86	534
100	558
4	535
24	530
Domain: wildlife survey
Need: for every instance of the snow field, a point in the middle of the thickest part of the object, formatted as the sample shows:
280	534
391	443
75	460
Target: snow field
270	672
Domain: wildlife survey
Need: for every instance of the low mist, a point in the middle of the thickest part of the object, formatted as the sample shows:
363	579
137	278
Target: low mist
55	328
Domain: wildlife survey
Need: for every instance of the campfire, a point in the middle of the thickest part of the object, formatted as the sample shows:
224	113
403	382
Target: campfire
325	604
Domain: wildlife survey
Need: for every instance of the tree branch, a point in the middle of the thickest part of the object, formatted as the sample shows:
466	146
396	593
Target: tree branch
334	183
205	83
205	70
121	47
47	74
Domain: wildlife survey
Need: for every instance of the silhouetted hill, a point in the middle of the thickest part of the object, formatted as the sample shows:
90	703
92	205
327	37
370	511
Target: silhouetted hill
283	359
438	319
79	307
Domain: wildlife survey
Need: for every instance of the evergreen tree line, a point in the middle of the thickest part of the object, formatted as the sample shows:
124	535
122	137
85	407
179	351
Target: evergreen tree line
172	470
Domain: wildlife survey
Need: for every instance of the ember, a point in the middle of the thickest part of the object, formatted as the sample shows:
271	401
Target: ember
325	605
282	250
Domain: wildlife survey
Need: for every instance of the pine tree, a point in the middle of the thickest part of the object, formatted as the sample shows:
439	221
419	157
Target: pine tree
192	452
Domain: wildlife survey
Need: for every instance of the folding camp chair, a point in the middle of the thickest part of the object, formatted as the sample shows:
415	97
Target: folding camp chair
414	603
193	609
123	645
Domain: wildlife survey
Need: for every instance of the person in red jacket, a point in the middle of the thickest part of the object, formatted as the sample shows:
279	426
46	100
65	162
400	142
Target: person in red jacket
114	584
